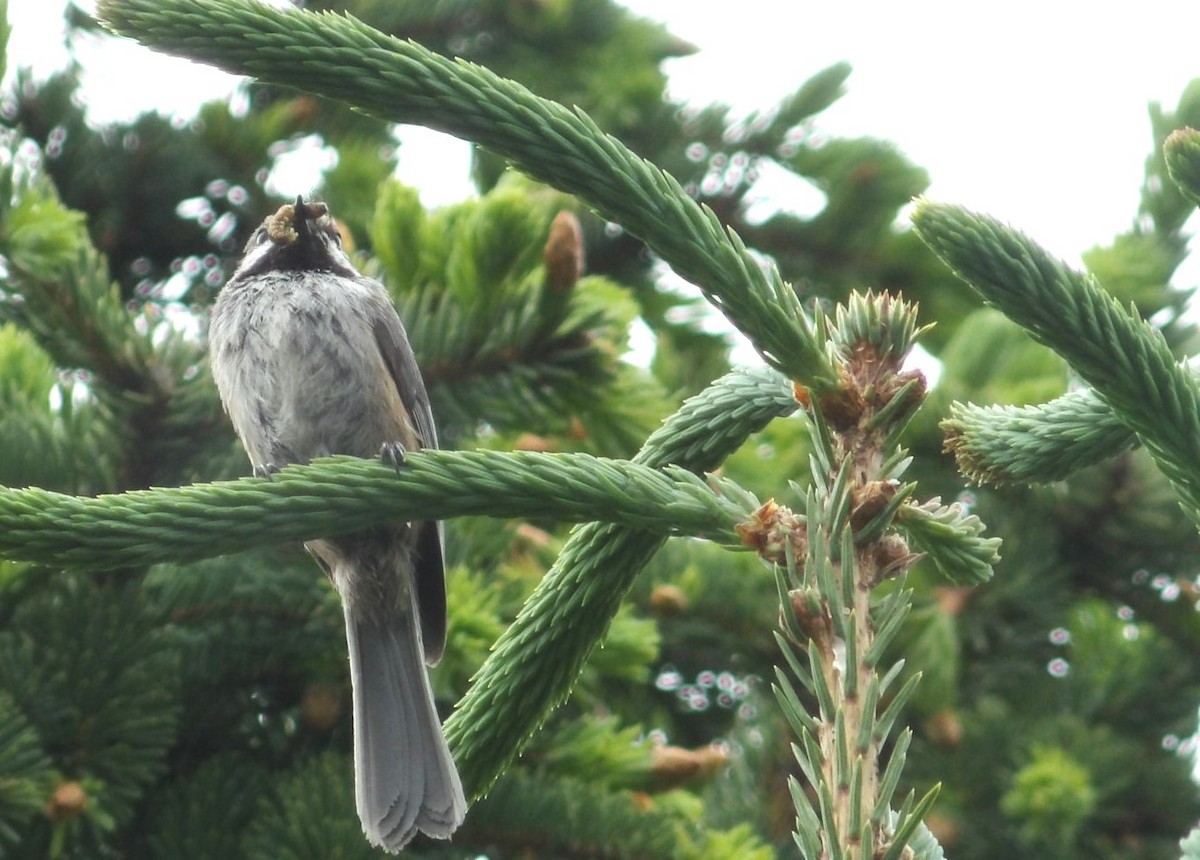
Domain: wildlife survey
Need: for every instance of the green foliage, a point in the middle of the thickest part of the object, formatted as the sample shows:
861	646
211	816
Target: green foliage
1183	161
856	176
992	359
242	733
250	720
952	538
1051	799
204	814
1127	361
572	817
568	817
620	755
1112	660
92	670
931	645
271	606
1017	737
39	440
514	692
1134	268
498	338
478	616
26	769
739	843
1000	445
303	816
585	52
1166	203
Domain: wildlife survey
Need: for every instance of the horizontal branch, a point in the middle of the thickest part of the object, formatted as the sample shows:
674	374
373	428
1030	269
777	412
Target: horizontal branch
1037	444
341	494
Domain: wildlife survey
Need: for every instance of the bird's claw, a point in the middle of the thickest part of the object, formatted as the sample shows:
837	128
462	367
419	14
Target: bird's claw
392	454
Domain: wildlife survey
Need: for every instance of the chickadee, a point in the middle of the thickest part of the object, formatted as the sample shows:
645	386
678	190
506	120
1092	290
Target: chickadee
311	359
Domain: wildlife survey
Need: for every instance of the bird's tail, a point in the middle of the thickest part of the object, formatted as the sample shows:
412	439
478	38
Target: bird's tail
404	778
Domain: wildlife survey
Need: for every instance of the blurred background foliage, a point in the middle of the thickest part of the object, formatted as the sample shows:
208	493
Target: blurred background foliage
202	710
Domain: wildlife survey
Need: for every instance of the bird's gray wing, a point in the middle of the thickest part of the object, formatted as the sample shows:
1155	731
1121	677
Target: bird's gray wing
430	535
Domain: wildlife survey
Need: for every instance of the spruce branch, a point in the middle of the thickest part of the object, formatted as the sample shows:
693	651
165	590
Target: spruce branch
1182	152
845	546
341	58
952	538
500	320
535	662
564	816
1123	358
340	494
304	818
1000	445
572	818
28	773
57	286
210	811
67	655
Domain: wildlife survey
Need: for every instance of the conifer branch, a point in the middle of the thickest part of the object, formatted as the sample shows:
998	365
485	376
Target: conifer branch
535	662
1122	357
557	816
952	538
1182	152
341	58
66	299
66	654
1000	445
833	559
57	286
27	769
340	494
498	334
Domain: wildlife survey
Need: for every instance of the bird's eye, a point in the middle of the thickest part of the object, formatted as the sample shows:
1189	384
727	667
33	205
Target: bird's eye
335	234
260	236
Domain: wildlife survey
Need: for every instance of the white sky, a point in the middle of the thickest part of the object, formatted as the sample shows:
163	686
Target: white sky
1032	111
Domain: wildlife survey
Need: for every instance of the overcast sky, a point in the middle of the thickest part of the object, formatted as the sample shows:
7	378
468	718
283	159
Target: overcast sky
1032	111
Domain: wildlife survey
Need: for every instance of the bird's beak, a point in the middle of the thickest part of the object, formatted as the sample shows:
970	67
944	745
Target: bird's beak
287	224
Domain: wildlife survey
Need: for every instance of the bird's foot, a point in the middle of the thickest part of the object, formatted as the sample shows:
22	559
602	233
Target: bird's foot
392	454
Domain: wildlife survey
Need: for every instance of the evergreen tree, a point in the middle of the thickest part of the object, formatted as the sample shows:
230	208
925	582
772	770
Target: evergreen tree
153	709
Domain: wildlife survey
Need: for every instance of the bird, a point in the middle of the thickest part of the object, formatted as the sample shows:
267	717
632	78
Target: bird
311	359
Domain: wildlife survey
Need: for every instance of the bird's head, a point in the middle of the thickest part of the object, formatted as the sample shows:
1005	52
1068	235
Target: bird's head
299	237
